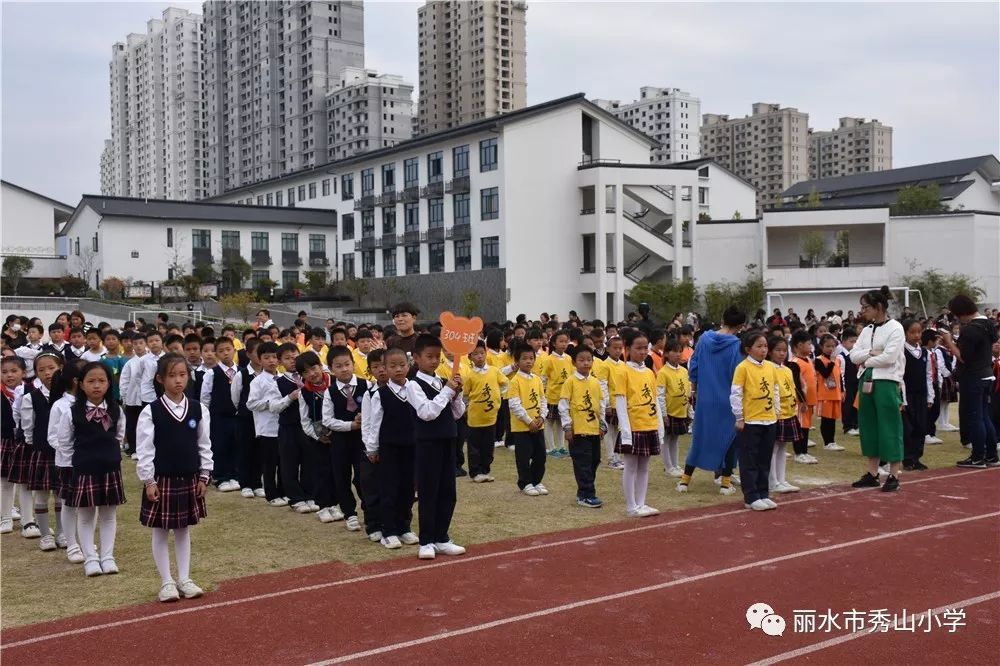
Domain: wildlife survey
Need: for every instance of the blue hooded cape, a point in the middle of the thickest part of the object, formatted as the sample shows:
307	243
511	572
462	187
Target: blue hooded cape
711	370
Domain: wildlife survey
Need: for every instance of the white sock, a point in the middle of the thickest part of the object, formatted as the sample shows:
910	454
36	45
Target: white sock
69	526
553	432
86	523
670	452
778	463
182	551
41	505
109	529
6	498
641	480
628	481
944	418
27	504
609	441
161	555
58	508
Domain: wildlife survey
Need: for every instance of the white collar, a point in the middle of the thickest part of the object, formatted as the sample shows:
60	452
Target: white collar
103	405
79	350
251	371
670	365
341	385
527	375
430	379
755	361
178	405
480	371
396	388
557	354
45	391
636	366
581	377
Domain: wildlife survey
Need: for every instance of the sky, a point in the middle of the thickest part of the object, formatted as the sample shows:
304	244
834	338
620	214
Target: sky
929	70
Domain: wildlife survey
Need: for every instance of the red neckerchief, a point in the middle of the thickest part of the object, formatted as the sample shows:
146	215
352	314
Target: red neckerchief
7	393
318	388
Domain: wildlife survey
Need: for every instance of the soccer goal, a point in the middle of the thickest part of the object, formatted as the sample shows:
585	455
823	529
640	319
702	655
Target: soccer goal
824	300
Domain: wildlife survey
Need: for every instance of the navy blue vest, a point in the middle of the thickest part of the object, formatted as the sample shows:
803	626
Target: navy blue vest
176	441
95	450
443	427
245	391
915	376
193	388
850	373
40	430
222	400
6	419
314	405
399	421
340	411
291	413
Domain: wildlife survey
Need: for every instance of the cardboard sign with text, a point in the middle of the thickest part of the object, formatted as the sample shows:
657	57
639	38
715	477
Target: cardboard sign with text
459	336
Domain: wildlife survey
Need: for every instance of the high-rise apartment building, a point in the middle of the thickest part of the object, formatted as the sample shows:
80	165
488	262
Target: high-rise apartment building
857	146
267	68
669	115
769	148
472	61
367	111
155	149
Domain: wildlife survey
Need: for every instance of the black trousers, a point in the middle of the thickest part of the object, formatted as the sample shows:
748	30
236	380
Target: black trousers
346	452
849	413
503	421
395	470
802	445
294	459
269	466
529	455
932	416
320	478
585	450
729	462
995	409
131	418
914	428
248	452
435	463
462	425
755	444
223	433
481	449
828	429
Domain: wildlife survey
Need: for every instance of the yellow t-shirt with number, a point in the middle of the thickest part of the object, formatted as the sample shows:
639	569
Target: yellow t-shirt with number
757	381
786	391
484	391
556	371
541	358
638	385
676	389
360	364
584	398
529	391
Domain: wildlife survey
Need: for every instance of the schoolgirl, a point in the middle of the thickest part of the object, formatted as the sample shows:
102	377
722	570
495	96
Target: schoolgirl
14	454
640	423
919	393
756	404
802	347
608	372
788	430
557	369
44	477
829	396
673	390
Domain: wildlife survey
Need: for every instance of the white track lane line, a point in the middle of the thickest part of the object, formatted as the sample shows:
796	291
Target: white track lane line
839	640
451	562
642	590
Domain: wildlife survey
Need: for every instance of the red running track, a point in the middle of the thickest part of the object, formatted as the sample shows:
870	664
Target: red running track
675	587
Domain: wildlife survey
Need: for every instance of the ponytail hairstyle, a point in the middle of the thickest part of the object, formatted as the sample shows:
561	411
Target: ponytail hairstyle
79	407
631	335
749	340
877	298
59	385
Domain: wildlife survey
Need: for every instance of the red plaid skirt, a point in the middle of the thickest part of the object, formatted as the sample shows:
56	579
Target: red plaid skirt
20	463
643	444
65	482
676	425
788	430
179	505
96	490
6	459
43	472
949	390
553	413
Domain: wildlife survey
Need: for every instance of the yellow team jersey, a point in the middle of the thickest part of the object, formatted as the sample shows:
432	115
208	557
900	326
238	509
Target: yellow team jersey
638	385
540	360
613	372
786	391
556	371
238	344
444	369
757	381
584	398
360	364
529	391
484	392
676	389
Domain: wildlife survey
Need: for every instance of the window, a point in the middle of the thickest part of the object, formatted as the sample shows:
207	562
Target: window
77	246
170	237
260	199
270	199
411	213
388	221
436	251
94	244
279	198
367	182
412	259
435	213
389	262
258	277
388	177
312	190
289	280
368	263
411	172
435	167
460	161
259	241
703	195
488	155
368	224
290	243
491	252
489	203
302	192
347	224
347	186
291	196
348	263
463	255
461	206
230	240
201	239
325	187
317	244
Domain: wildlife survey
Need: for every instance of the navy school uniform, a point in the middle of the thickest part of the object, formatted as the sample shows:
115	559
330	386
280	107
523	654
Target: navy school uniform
193	389
396	448
349	458
97	462
320	484
248	453
293	458
223	424
915	412
42	471
434	461
849	413
14	454
177	464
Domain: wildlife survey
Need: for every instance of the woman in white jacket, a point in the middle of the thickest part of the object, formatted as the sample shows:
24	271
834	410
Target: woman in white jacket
878	354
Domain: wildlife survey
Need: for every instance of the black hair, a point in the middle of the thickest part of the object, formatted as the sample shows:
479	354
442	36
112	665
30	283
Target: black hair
425	341
520	350
848	332
364	334
251	344
910	321
75	329
207	332
877	297
493	339
800	336
928	336
62	380
79	407
341	330
631	335
534	334
138	335
267	348
167	361
376	356
192	338
394	351
225	340
317	333
16	360
208	341
733	317
962	306
749	339
111	333
173	339
55	327
286	348
337	351
673	345
826	337
400	308
480	344
305	361
581	349
37	327
774	341
656	336
559	333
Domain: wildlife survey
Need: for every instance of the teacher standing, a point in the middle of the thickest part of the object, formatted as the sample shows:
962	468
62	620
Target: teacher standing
878	354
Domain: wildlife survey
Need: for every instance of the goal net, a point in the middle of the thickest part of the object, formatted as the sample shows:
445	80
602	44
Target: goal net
822	301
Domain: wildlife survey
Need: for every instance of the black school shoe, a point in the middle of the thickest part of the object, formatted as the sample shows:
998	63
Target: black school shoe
460	472
993	462
869	480
973	463
920	467
891	484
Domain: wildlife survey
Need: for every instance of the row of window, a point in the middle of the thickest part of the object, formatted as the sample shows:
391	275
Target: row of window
489	208
489	248
201	239
488	161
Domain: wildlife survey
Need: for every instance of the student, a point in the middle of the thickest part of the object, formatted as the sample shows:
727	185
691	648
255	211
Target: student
247	453
115	360
949	388
315	383
607	372
787	430
756	403
95	348
57	342
673	391
130	389
31	349
501	360
483	389
685	337
216	395
556	370
849	371
438	406
654	360
44	478
175	465
388	429
266	401
918	392
15	455
528	407
90	435
147	367
802	347
342	415
292	451
66	384
364	347
640	422
77	344
929	341
581	413
995	396
829	397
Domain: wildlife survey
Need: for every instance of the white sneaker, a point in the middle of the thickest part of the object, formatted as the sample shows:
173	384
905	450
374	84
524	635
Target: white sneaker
134	456
770	502
833	446
168	592
353	525
278	501
490	478
247	492
884	470
74	554
675	472
313	507
727	491
336	513
449	548
530	490
811	444
759	505
392	543
259	492
47	543
805	459
375	536
498	444
92	568
785	487
109	566
853	432
189	590
733	479
479	478
6	526
947	427
61	540
301	507
931	439
15	514
324	516
427	552
682	487
645	511
30	531
542	490
788	454
409	538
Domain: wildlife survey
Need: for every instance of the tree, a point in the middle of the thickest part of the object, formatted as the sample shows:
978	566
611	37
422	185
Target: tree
14	269
235	271
918	200
387	290
814	247
240	304
265	288
356	287
938	288
316	281
748	295
72	285
470	303
812	200
204	274
737	215
191	286
665	298
113	288
87	263
704	217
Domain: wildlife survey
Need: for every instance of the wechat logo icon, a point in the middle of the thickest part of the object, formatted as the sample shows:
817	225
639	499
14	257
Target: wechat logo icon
761	616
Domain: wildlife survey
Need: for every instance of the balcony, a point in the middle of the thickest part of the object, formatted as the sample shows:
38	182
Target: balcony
260	258
413	237
432	190
459	185
291	259
410	194
386	199
366	202
389	241
318	260
436	234
202	256
459	232
370	243
229	253
857	275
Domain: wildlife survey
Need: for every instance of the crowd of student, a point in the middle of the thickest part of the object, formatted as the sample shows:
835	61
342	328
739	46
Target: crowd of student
355	423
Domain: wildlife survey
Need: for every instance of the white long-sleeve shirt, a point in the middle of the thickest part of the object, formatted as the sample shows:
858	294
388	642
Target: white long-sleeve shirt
330	419
66	433
266	402
236	388
886	340
736	401
427	409
130	382
621	407
372	413
145	436
28	353
91	356
59	409
208	382
313	429
28	417
147	392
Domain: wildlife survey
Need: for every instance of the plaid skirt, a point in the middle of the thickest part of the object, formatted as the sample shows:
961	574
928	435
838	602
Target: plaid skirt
643	444
179	505
96	490
20	463
6	456
65	482
949	390
788	430
676	425
613	419
43	474
553	415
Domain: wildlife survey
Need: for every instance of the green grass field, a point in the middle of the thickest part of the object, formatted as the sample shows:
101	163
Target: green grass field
244	537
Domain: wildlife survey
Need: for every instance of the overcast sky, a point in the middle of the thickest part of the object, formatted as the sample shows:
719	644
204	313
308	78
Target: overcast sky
931	71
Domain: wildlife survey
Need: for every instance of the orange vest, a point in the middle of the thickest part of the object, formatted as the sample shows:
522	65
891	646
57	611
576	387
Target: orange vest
808	374
823	392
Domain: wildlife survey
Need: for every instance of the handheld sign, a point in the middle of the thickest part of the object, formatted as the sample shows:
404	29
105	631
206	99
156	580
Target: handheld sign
459	336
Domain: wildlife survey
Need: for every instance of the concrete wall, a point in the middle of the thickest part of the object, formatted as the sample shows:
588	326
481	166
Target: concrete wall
28	223
436	292
723	250
979	196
